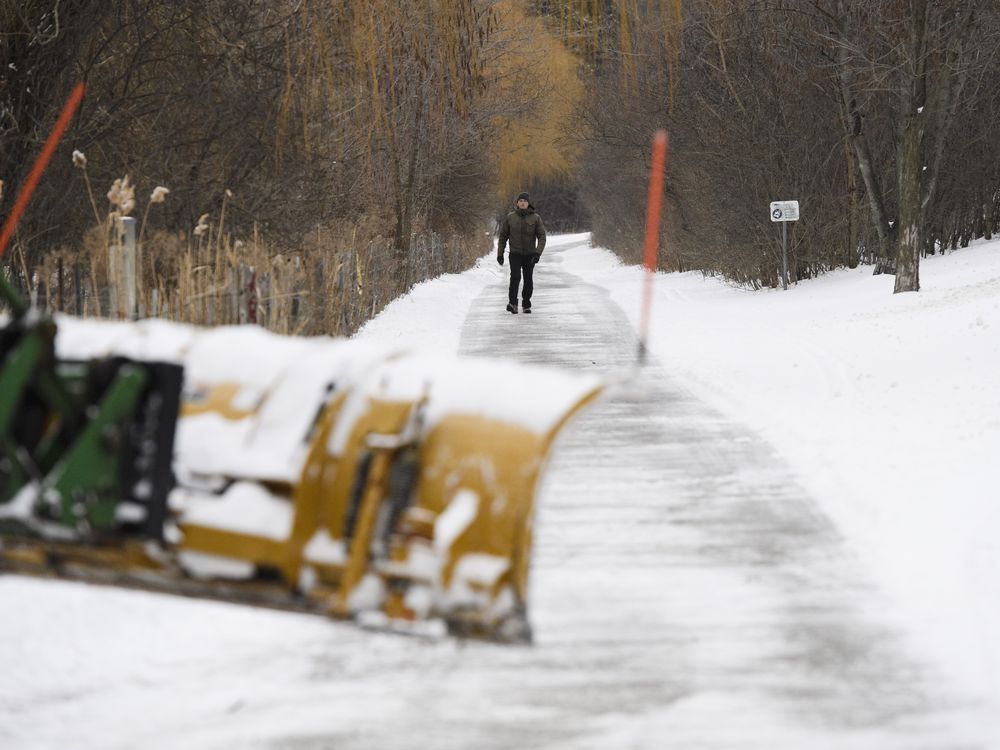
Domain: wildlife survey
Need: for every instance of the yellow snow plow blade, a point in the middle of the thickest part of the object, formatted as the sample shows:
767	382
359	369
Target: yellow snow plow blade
414	501
327	475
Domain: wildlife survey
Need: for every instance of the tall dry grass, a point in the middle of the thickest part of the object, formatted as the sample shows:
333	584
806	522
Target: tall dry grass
331	283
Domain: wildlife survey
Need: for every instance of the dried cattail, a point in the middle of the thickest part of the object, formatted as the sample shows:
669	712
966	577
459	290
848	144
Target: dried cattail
122	194
159	195
79	160
1	188
202	225
229	193
128	193
114	194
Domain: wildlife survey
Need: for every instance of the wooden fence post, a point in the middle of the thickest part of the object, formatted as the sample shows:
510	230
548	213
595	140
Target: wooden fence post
78	287
121	270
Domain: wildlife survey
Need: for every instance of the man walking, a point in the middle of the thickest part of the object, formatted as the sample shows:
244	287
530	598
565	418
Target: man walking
523	228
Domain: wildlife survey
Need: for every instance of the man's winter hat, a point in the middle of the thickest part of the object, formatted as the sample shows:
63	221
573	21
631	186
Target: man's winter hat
522	195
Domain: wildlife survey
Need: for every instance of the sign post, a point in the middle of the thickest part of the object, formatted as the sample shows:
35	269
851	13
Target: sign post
784	211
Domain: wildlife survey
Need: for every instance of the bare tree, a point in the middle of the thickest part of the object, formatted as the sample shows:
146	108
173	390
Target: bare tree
906	64
852	108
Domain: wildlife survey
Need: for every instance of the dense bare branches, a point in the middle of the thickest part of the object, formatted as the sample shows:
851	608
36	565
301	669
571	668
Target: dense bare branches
380	116
405	117
854	109
917	62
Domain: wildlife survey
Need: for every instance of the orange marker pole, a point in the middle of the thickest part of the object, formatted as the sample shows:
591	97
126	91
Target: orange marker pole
40	164
652	234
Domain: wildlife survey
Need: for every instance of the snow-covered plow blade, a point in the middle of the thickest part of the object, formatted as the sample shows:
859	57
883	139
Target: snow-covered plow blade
328	475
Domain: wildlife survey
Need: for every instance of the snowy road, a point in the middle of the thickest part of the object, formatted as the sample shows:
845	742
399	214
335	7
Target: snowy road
677	559
686	593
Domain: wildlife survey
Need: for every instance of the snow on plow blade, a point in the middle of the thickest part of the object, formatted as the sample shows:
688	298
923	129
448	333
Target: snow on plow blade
331	475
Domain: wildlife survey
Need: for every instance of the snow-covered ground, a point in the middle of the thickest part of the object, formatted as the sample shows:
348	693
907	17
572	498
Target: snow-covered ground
886	409
886	406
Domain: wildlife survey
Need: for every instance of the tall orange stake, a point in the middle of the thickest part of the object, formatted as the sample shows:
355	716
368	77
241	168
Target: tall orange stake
652	234
43	161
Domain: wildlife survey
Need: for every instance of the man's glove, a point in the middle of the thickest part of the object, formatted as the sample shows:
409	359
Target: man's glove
500	258
537	258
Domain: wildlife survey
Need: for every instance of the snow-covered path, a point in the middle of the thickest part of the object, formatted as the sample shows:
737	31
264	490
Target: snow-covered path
687	592
677	558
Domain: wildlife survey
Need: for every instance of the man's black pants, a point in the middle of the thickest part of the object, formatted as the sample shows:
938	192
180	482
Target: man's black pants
521	263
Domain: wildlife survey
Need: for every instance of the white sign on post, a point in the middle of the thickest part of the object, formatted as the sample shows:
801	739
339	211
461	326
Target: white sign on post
785	211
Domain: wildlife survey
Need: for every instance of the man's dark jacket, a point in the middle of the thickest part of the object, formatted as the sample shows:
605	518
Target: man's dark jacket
522	227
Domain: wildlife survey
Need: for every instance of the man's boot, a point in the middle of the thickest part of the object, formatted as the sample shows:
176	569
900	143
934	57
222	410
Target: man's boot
511	308
526	305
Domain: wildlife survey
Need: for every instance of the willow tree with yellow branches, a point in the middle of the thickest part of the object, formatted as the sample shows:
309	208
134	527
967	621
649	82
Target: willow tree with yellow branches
631	42
427	101
641	37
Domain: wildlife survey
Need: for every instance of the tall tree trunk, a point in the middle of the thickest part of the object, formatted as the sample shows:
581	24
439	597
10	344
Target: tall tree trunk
910	228
887	232
911	155
859	144
853	207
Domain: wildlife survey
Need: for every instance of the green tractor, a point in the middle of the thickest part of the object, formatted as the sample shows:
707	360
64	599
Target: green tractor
85	447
